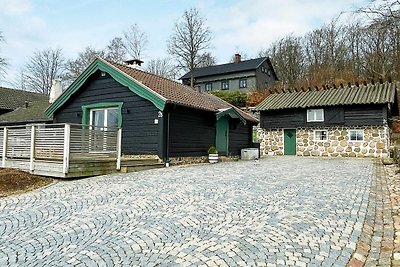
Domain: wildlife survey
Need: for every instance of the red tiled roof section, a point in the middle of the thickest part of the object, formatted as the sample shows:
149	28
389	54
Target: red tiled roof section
178	93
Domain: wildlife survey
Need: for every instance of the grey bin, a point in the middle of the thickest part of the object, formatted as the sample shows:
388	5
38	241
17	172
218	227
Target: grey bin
249	154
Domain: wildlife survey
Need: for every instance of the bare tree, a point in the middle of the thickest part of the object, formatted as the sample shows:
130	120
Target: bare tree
135	41
287	58
3	61
376	9
206	60
43	67
161	67
116	50
77	66
190	38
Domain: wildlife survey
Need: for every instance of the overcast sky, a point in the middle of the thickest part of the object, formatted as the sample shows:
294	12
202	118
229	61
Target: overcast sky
237	25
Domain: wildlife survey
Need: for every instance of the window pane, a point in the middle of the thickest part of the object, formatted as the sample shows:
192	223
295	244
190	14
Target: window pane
319	115
98	118
225	85
242	83
320	135
356	135
112	118
360	135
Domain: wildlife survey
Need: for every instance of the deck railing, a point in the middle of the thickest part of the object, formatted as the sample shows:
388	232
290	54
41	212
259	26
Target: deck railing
60	142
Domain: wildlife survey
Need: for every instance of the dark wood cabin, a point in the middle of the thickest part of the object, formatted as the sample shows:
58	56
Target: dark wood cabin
344	121
157	116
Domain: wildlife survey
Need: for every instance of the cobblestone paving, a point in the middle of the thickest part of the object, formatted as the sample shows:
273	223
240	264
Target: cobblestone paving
283	211
375	244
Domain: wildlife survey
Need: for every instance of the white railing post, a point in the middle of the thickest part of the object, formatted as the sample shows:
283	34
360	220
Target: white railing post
119	142
67	135
32	154
5	137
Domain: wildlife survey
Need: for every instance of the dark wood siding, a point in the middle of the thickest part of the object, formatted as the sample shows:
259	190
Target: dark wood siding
240	136
139	133
356	115
282	118
191	132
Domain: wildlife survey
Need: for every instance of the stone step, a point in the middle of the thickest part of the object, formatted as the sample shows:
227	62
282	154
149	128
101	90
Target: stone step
135	162
141	167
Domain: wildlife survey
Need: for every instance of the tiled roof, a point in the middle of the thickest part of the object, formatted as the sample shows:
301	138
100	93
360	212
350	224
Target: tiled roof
35	112
13	98
177	93
244	65
349	95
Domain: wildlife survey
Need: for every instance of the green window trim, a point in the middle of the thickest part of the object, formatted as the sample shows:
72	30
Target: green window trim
86	111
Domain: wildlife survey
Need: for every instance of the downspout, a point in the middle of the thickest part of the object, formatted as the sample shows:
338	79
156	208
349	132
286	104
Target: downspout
167	161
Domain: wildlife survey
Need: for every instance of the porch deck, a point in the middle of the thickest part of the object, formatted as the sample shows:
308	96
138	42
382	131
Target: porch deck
61	150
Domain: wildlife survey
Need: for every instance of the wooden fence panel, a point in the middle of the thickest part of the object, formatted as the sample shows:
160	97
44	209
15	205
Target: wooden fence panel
49	143
19	142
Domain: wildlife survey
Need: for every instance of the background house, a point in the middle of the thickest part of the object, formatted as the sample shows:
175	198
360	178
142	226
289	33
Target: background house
11	99
349	121
158	116
30	112
244	76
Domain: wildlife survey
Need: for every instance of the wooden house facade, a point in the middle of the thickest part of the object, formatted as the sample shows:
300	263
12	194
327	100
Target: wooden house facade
240	75
158	117
350	121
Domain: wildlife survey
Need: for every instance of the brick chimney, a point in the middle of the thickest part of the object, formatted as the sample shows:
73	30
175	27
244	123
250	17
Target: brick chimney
238	58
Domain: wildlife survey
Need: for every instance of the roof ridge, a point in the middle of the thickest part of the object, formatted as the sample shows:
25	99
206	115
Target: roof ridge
223	64
150	73
21	90
329	87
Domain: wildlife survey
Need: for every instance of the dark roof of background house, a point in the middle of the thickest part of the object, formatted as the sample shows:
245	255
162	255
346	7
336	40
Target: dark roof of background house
349	95
244	65
177	93
13	98
35	112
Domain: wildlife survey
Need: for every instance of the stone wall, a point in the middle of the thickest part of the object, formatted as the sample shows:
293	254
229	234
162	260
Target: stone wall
271	141
338	143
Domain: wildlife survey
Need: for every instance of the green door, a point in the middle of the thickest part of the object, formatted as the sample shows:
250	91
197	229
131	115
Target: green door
222	135
289	141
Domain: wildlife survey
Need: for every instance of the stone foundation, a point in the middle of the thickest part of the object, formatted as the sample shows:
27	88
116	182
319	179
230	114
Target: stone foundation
271	141
338	144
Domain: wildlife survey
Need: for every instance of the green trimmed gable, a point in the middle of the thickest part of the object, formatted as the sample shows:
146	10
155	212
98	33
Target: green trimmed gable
117	75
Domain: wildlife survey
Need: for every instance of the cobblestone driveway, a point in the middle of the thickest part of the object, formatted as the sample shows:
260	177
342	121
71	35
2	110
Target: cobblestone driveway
283	211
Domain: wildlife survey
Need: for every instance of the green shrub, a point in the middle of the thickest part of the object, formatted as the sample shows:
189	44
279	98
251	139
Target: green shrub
212	150
235	98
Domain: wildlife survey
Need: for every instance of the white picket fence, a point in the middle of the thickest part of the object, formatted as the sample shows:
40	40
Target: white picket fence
59	142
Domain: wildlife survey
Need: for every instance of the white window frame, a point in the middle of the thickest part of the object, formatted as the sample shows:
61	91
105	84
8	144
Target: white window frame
359	131
243	83
105	122
227	85
320	140
312	115
209	86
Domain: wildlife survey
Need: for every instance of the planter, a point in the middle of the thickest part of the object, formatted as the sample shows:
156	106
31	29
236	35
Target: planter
213	158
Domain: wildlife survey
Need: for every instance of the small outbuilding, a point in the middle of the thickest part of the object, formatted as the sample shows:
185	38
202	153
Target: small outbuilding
157	116
347	121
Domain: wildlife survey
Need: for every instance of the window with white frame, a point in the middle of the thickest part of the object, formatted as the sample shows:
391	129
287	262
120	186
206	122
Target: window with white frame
315	115
101	118
208	86
356	135
225	85
242	83
320	135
